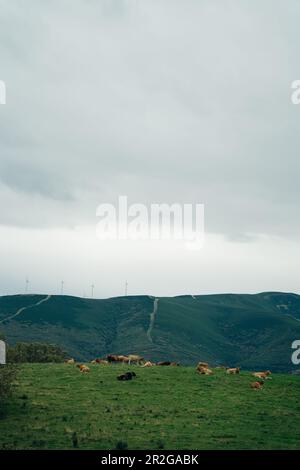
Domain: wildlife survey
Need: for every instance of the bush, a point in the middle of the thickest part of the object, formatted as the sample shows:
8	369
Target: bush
121	445
160	444
35	353
7	376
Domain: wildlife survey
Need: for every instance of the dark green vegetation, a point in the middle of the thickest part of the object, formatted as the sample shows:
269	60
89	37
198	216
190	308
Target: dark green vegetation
35	353
57	407
7	376
252	331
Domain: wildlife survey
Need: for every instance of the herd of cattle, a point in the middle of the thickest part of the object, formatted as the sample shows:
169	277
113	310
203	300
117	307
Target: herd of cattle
202	367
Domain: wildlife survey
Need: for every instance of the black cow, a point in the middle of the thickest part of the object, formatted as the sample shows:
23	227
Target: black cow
127	376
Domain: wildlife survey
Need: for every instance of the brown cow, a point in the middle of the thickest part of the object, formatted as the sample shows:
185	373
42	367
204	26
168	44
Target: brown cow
70	361
203	364
257	385
262	375
203	368
148	364
204	371
233	370
164	363
83	368
112	358
124	359
120	358
135	359
101	361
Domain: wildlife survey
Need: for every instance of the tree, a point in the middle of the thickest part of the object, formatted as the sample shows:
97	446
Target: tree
35	353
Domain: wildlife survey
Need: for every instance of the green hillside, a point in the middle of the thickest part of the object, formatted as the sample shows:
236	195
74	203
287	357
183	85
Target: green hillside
57	407
253	331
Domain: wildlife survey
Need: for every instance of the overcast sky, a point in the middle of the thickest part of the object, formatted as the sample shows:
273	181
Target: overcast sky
162	101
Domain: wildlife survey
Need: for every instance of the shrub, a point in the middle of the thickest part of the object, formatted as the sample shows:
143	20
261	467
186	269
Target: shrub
35	353
121	445
75	440
7	376
160	444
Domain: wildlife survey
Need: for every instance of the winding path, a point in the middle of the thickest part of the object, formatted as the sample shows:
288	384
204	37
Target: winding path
152	320
291	316
45	299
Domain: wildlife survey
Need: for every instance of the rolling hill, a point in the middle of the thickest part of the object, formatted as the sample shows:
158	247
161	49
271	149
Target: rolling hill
253	331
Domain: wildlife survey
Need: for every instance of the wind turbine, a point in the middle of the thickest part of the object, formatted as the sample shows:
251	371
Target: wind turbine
92	287
126	288
62	287
26	285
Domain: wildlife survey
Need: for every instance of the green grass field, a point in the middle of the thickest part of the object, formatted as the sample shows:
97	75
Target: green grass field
164	407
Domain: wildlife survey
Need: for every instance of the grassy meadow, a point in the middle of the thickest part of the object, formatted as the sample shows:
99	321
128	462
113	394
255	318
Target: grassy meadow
57	407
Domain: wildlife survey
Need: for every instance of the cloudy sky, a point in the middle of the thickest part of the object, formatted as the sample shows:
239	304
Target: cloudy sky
163	101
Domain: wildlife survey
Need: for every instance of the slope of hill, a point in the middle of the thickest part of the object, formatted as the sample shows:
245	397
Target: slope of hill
253	331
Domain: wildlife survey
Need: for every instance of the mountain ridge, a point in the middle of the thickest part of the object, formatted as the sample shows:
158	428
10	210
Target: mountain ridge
250	330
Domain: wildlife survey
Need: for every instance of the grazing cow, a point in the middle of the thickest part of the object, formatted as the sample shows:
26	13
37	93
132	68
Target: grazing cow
148	364
124	359
135	359
94	361
127	376
83	368
176	364
164	363
262	375
233	370
101	361
257	385
118	358
70	361
112	358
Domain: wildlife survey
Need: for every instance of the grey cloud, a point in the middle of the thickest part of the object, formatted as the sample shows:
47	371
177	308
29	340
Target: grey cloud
29	178
158	100
163	101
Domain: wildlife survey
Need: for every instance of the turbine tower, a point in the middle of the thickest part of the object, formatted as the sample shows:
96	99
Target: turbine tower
26	285
62	287
126	288
92	287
